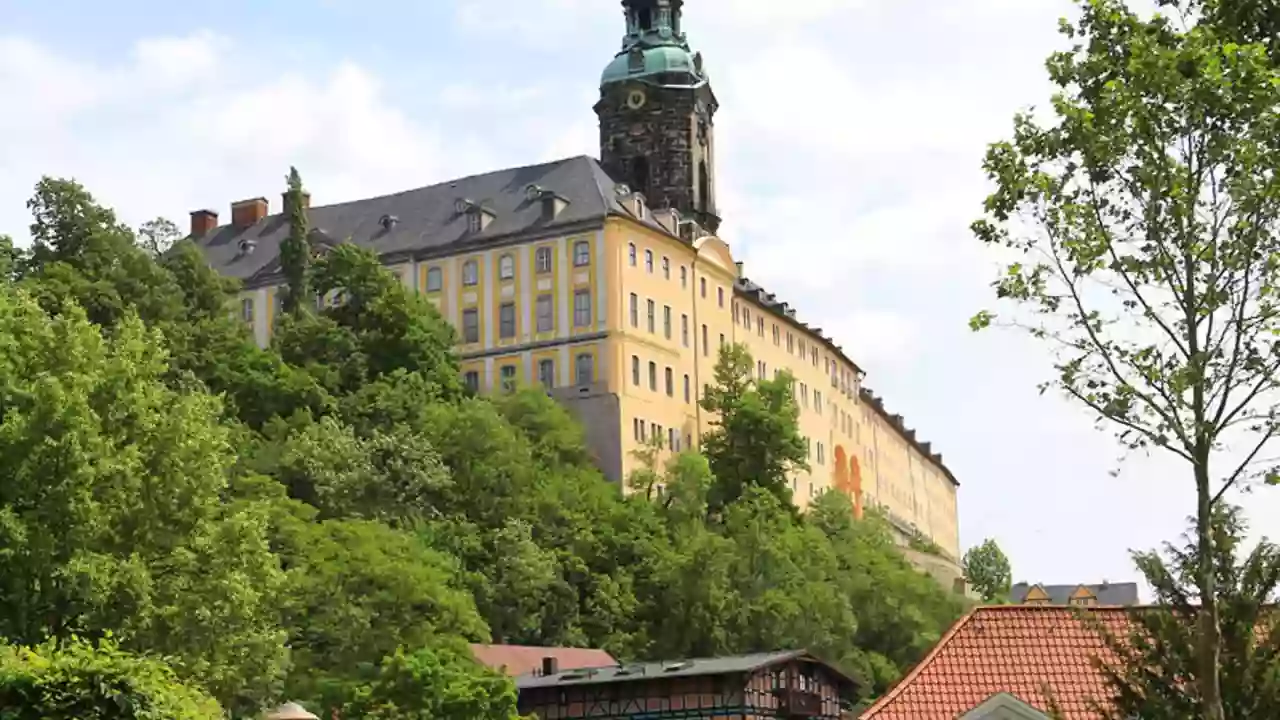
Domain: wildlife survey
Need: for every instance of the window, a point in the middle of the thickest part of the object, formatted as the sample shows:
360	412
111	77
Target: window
547	373
746	317
435	279
637	429
246	310
813	350
721	339
817	401
635	310
673	442
584	369
791	343
670	378
686	388
581	253
706	350
702	283
506	267
507	321
635	370
474	222
822	457
666	321
684	277
720	296
653	376
655	430
582	308
684	330
471	325
508	375
546	313
631	250
542	260
777	335
470	273
471	379
666	268
760	326
651	307
804	395
648	261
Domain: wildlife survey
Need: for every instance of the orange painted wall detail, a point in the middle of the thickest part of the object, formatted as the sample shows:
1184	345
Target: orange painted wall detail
855	480
847	478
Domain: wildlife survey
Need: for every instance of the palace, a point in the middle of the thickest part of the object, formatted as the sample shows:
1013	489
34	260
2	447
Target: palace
604	281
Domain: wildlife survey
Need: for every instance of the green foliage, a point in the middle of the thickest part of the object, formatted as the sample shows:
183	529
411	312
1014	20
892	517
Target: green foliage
756	440
158	235
434	683
74	679
1157	658
295	250
332	518
111	515
987	569
1145	211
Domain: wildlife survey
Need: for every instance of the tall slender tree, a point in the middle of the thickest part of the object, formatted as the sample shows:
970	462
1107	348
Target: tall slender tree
1146	210
295	251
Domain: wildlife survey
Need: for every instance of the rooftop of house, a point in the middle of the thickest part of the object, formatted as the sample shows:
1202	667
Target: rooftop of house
1104	593
637	672
517	660
1016	649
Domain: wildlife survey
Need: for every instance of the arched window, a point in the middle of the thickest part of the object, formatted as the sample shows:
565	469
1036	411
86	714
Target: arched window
640	175
470	273
435	279
506	267
704	186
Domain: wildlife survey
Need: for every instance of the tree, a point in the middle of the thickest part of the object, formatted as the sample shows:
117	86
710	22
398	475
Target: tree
1159	650
756	439
1146	211
111	512
987	570
158	235
75	679
295	250
434	683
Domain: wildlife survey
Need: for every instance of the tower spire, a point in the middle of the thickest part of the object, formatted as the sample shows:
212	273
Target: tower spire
656	113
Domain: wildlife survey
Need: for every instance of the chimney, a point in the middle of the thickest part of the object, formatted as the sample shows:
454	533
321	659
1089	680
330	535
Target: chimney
739	264
247	212
284	200
203	222
550	666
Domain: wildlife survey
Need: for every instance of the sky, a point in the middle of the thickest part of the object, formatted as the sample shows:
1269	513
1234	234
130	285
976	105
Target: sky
850	132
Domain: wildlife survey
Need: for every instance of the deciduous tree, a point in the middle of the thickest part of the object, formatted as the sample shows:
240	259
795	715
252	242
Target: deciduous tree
1147	209
987	569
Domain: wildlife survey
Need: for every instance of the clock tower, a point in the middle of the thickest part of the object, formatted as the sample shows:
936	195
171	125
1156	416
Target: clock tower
656	114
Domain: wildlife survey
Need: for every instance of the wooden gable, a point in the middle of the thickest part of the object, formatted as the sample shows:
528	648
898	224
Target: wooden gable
1036	596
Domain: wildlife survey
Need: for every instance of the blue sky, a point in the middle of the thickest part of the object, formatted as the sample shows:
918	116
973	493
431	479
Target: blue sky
849	130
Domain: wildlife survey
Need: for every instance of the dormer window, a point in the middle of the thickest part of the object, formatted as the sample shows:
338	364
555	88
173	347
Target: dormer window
552	202
478	216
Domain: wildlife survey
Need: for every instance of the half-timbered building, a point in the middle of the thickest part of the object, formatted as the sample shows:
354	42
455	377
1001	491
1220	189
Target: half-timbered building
787	684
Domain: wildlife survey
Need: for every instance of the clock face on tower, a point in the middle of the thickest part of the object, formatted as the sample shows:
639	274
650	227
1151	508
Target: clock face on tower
636	99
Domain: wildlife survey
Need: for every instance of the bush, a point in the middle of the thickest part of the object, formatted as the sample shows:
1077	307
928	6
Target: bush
75	679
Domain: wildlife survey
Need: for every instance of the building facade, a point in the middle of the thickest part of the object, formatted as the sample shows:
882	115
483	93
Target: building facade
786	684
604	281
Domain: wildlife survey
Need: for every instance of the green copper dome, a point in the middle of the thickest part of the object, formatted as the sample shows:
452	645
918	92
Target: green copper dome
657	60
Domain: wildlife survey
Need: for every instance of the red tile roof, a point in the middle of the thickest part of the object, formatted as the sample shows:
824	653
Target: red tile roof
524	659
1019	649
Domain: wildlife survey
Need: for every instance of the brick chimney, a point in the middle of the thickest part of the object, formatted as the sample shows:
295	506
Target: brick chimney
284	200
247	212
203	222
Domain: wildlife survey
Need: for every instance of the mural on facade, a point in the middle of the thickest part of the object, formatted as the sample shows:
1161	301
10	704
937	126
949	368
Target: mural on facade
847	478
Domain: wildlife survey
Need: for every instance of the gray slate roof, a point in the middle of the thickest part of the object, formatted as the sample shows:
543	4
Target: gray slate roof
427	220
671	668
1107	593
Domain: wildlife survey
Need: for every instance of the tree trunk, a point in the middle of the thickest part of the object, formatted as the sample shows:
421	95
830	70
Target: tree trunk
1210	639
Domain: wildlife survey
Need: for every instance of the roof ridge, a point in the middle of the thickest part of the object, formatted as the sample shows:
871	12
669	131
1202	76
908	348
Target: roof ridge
903	683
